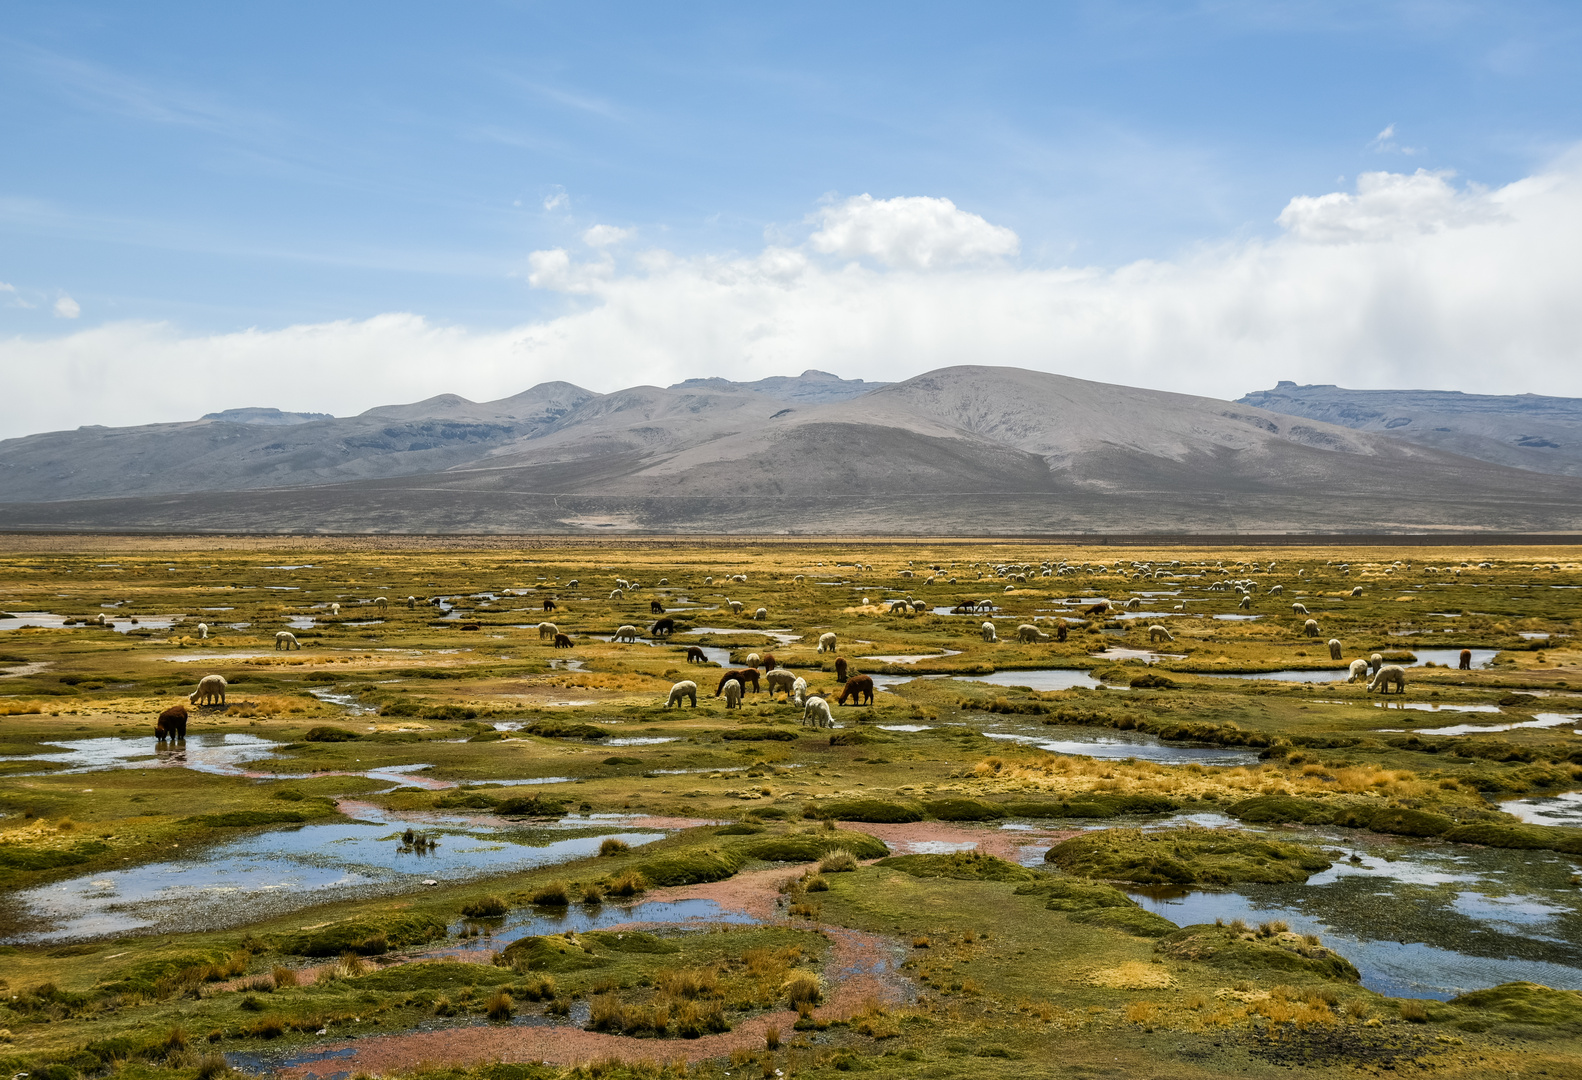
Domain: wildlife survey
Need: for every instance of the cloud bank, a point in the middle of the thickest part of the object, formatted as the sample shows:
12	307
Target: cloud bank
1409	281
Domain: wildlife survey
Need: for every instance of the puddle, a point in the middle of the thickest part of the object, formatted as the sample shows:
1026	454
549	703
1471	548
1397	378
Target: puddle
16	620
1540	720
208	752
300	622
905	727
1147	656
1534	635
782	637
1085	742
1428	706
346	701
1236	618
912	659
1563	809
265	876
639	741
1038	678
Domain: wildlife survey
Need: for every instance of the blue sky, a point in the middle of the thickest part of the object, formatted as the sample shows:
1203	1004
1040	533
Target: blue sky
210	169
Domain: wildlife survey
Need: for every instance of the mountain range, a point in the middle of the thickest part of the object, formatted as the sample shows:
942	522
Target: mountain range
962	451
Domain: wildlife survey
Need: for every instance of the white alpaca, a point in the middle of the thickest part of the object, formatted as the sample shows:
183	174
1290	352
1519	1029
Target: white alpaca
411	603
1276	590
1133	604
1246	602
826	643
616	595
685	689
1389	675
211	690
1027	632
335	609
799	691
735	606
1310	628
1159	633
781	680
1359	671
733	694
816	712
753	659
382	603
203	631
1356	590
285	639
1300	609
1334	648
626	633
988	633
1375	662
761	614
547	630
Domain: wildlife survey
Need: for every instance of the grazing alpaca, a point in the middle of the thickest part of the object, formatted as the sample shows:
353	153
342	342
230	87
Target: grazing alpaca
841	668
1334	648
655	607
826	643
733	694
988	633
735	606
285	639
1300	609
1133	604
776	681
816	712
549	605
210	691
1466	659
1159	633
1356	590
1375	662
696	655
1061	630
1359	671
411	603
172	725
1310	628
858	687
382	603
1389	675
761	614
616	594
562	641
203	631
1276	590
662	628
740	676
769	661
1246	602
626	633
1028	633
684	689
547	630
1101	608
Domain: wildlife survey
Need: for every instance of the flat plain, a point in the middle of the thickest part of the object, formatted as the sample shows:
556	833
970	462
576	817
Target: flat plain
1151	828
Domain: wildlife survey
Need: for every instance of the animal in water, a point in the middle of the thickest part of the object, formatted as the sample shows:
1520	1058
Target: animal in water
172	724
815	711
562	641
1389	675
684	689
780	681
655	607
769	661
203	631
1466	660
1159	633
696	655
549	605
740	676
733	694
1310	628
662	627
1358	671
1027	632
841	668
382	603
547	630
761	614
859	688
826	642
210	691
1375	662
988	633
285	639
626	633
1334	648
1300	609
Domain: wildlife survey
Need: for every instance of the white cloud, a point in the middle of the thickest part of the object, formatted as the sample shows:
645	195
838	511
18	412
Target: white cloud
67	308
913	232
605	235
6	286
1455	288
557	200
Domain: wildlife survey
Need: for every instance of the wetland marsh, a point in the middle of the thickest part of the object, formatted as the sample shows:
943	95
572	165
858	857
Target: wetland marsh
431	835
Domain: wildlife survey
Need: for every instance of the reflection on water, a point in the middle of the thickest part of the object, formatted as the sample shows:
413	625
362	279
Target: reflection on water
1119	745
1562	809
1540	720
207	752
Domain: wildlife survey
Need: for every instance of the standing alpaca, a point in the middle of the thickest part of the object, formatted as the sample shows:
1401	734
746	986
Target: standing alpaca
1061	630
988	633
549	605
172	725
684	689
562	641
655	607
382	603
733	694
285	639
769	661
335	609
411	603
1334	648
1359	671
1246	602
547	630
841	668
799	691
626	633
203	631
1466	659
735	606
1028	633
1310	628
210	691
782	680
662	627
859	688
1389	675
1375	662
1159	633
1356	590
753	659
742	677
826	643
1300	609
696	655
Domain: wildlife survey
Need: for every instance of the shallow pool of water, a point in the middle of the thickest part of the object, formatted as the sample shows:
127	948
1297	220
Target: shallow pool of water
1147	656
1038	678
1563	809
1539	720
208	752
905	658
16	620
1116	745
1429	706
782	637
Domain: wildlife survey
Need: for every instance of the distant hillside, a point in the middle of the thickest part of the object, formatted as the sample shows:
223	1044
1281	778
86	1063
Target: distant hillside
266	416
1524	431
962	450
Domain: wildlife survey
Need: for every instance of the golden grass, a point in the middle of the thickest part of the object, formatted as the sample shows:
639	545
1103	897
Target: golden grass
1132	975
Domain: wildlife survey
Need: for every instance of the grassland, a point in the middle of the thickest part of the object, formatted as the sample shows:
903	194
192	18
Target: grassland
841	944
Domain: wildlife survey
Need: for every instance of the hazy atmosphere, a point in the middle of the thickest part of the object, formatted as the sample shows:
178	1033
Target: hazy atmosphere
315	209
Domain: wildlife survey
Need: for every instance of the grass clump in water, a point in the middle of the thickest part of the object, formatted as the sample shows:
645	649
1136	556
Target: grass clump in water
328	733
1237	947
613	845
1186	856
488	907
811	846
877	810
691	867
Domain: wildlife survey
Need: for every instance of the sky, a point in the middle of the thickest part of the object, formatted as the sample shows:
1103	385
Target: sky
331	207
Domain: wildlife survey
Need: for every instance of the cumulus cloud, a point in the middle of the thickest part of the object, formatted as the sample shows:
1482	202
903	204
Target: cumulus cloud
605	235
67	308
1409	281
912	233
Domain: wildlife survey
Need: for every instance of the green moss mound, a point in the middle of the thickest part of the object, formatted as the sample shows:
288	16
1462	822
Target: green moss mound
691	867
1496	834
855	738
631	941
1153	681
366	938
432	975
1067	894
808	846
559	729
530	806
238	819
741	828
879	810
1187	856
328	733
961	865
760	734
1278	809
14	858
1227	947
1402	822
1091	805
1526	1003
963	810
1136	921
555	953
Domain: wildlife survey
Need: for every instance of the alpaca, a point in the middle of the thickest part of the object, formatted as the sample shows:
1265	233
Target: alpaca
1334	648
1276	590
562	641
696	655
549	605
826	643
547	630
1310	628
1300	609
1375	662
210	691
776	681
988	633
1466	660
841	668
735	606
753	659
1101	608
1061	630
733	694
761	614
335	609
1028	633
816	712
616	594
859	688
626	633
799	691
1133	604
1246	602
1359	671
1356	590
411	603
662	628
172	725
685	689
203	631
655	607
382	603
285	639
741	677
1390	674
769	661
1159	633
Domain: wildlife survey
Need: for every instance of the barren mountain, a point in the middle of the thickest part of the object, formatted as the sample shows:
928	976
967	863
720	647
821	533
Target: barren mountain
960	450
1525	431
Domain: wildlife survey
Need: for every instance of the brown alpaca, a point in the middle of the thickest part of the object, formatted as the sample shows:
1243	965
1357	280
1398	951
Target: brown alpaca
696	655
859	687
549	605
562	641
741	675
662	628
172	724
1466	659
840	668
769	662
1061	629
